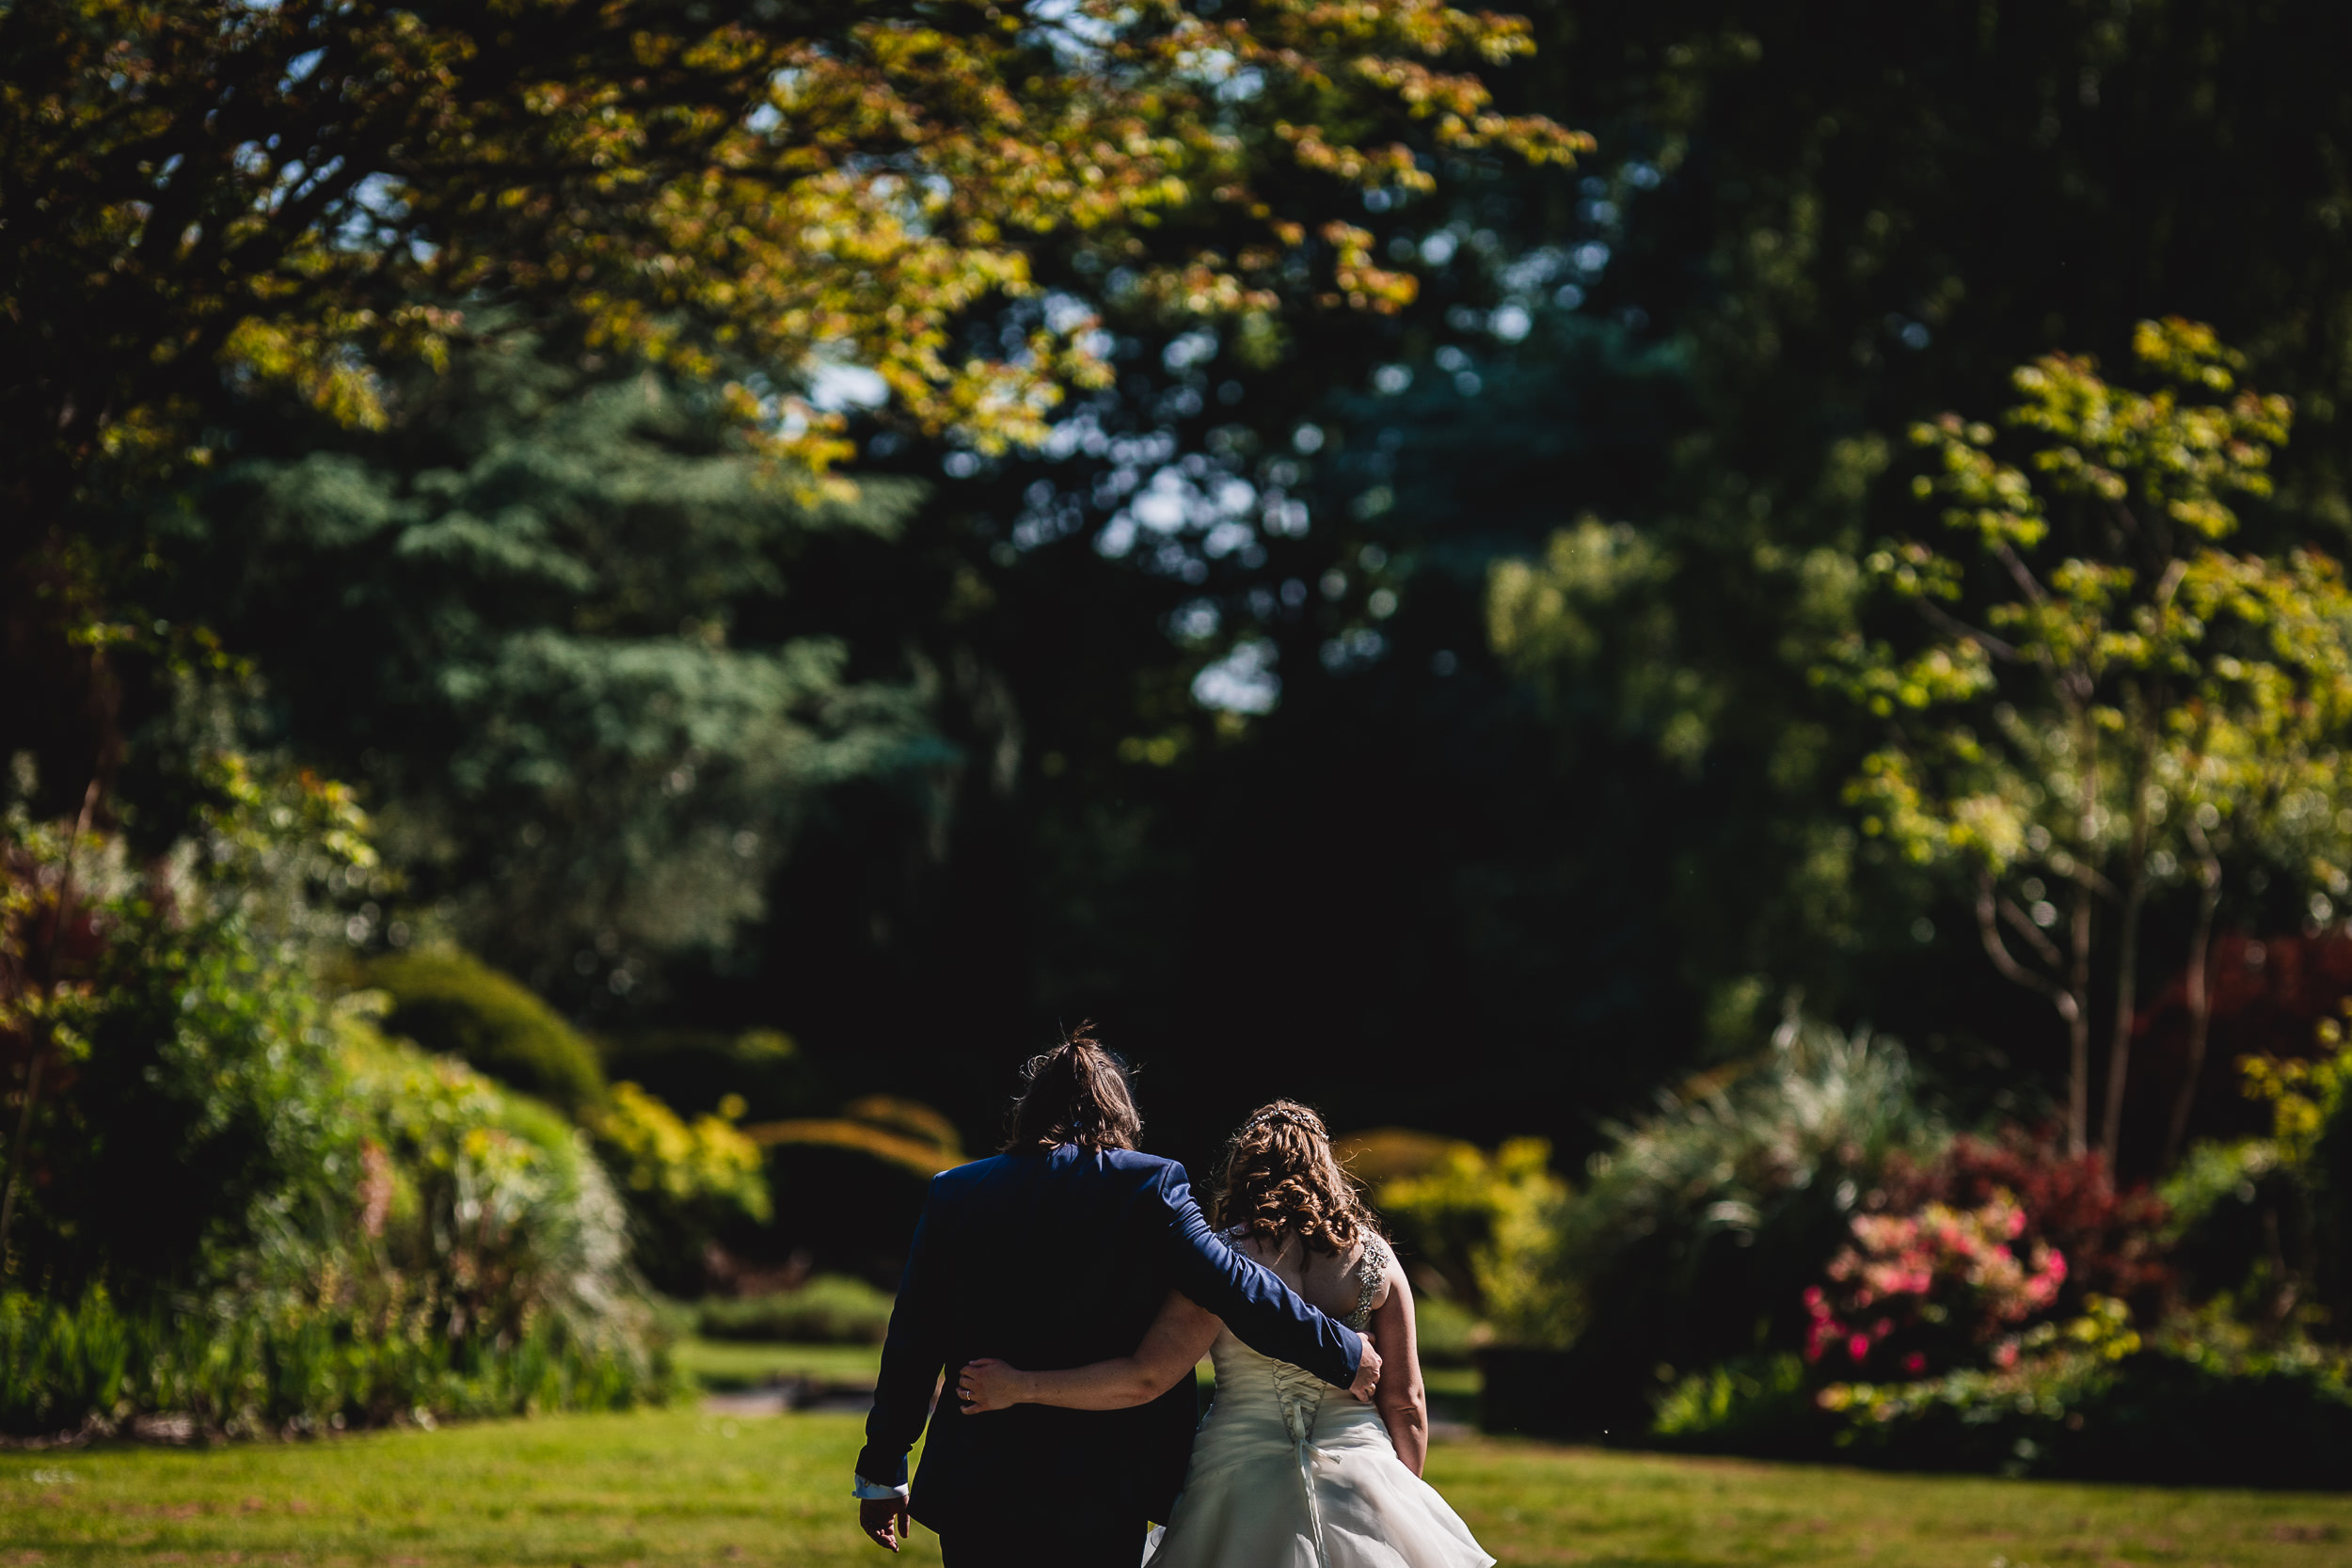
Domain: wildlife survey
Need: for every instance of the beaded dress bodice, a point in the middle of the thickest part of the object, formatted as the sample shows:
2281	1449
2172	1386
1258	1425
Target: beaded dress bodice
1289	1472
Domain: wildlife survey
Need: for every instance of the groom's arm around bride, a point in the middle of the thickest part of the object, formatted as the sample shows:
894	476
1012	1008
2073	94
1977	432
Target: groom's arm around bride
1058	1252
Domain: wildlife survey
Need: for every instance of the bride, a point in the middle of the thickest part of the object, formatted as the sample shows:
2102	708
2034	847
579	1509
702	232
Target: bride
1284	1473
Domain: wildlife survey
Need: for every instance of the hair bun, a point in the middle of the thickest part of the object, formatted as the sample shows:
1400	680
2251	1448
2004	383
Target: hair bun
1075	1092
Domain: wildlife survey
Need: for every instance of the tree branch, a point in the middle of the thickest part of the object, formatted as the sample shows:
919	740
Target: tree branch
2044	947
1953	626
2026	582
1987	925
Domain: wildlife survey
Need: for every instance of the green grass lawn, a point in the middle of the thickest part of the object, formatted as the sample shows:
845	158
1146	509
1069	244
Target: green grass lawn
681	1487
727	1364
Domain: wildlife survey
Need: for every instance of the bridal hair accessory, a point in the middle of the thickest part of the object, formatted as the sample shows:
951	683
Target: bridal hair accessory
1281	1177
1283	1113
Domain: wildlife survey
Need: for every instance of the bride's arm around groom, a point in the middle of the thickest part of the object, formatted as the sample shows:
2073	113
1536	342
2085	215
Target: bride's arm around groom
1057	1253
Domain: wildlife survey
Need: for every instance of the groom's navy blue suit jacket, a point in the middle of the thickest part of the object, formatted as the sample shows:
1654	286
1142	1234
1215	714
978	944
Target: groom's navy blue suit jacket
1054	1260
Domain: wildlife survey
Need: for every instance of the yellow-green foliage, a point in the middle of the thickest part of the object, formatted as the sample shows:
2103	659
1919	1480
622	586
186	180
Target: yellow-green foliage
901	1133
1595	606
2156	691
2305	1097
2101	698
909	1118
489	1192
1480	1219
655	1151
452	1003
691	189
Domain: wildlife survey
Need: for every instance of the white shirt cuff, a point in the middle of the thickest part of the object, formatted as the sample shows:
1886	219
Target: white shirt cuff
870	1491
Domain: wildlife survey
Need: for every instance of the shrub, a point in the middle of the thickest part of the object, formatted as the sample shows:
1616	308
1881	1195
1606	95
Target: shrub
684	1180
1756	1404
183	1108
2113	1239
487	1200
830	1309
2310	1141
237	1365
454	1004
696	1070
253	1211
1932	1289
885	1149
468	1257
1478	1220
2091	1399
1700	1225
1446	1332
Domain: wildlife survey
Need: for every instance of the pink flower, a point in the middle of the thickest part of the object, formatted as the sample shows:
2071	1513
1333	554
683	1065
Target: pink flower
2005	1356
1858	1348
1916	1363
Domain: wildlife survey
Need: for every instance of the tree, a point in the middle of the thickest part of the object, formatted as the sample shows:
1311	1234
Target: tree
2104	685
741	188
205	199
548	620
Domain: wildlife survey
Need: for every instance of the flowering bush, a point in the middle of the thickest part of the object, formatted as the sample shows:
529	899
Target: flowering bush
2192	1401
1934	1288
2045	1357
2113	1239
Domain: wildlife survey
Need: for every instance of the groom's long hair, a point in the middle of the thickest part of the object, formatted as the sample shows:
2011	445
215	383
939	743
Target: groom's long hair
1075	1093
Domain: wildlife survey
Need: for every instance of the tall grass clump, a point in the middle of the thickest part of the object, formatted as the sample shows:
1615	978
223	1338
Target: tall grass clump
1700	1227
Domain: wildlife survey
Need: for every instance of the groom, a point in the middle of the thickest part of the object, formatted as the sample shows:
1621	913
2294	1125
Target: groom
1057	1253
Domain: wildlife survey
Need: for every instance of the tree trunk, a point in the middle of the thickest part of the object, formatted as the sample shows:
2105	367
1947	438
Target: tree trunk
2200	986
2127	961
2078	1032
2126	1011
2078	982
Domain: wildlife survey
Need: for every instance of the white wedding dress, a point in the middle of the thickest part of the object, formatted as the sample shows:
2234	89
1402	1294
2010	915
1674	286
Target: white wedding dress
1290	1472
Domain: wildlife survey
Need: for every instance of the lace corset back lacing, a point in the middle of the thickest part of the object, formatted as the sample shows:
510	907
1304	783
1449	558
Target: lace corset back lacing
1301	1393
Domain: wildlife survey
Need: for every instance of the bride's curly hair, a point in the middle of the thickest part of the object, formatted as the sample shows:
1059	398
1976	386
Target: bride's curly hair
1281	1177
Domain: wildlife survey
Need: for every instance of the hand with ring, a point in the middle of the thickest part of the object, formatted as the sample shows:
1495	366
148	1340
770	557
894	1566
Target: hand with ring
989	1384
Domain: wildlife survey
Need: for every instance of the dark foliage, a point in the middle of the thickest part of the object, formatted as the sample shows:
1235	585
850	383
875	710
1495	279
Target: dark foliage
2157	1419
459	1007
